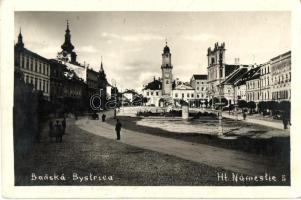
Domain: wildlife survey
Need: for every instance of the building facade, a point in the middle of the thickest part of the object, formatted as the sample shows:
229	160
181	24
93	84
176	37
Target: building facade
253	88
281	77
199	82
185	93
35	68
265	82
153	92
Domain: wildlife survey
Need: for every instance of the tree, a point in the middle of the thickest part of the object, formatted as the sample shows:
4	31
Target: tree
273	106
251	105
262	106
242	104
285	106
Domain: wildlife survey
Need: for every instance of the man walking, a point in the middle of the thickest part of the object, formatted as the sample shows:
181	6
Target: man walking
285	120
244	115
64	125
103	117
118	129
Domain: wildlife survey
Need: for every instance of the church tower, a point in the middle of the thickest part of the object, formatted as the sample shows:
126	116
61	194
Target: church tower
67	47
166	68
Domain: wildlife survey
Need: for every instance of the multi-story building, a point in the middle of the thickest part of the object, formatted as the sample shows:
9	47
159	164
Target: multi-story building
35	68
153	92
93	86
281	76
253	87
183	92
199	82
67	89
228	85
265	82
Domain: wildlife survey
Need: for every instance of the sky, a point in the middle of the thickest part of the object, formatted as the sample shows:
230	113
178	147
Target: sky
130	44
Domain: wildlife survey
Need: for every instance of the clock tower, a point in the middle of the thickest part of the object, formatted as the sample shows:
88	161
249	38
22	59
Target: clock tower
166	71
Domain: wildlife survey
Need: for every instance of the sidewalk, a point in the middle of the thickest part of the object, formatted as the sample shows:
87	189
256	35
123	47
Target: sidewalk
273	124
232	160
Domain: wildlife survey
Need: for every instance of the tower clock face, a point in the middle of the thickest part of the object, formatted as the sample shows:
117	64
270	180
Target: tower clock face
166	75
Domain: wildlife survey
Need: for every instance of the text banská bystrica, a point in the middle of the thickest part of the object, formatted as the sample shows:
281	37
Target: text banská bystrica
75	177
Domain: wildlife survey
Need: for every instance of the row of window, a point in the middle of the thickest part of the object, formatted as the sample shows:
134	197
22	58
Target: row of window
252	96
199	82
39	84
265	70
34	64
265	81
283	78
253	84
202	88
265	95
152	93
188	95
284	94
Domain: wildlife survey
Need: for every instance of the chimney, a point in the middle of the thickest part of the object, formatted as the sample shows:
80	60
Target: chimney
236	61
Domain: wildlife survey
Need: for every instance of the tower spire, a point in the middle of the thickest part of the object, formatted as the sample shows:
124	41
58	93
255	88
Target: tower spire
67	46
20	39
67	24
101	66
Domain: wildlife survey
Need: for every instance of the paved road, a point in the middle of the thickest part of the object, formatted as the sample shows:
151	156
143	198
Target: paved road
232	160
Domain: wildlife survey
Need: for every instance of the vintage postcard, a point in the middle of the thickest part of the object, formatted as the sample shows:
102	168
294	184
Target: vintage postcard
112	101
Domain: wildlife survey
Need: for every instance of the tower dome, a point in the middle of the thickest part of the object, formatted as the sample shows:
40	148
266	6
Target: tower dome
166	49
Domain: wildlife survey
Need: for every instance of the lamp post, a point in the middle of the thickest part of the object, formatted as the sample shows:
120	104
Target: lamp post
220	113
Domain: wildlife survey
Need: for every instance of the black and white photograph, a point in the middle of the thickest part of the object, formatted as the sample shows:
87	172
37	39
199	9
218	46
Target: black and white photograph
152	98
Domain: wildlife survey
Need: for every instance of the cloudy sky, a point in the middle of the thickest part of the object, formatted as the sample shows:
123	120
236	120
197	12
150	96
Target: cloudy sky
131	43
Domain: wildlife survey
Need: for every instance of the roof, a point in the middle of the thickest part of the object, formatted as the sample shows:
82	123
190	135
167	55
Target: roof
253	73
183	87
230	68
237	74
154	85
32	53
200	76
281	55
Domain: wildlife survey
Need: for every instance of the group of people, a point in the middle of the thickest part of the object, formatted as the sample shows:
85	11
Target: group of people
57	130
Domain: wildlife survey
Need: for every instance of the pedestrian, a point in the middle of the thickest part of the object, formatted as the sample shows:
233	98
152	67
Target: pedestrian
244	115
64	125
103	117
58	134
118	129
284	120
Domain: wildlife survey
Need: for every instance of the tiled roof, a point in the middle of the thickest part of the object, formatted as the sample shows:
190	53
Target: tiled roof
237	74
200	76
249	75
154	85
230	68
